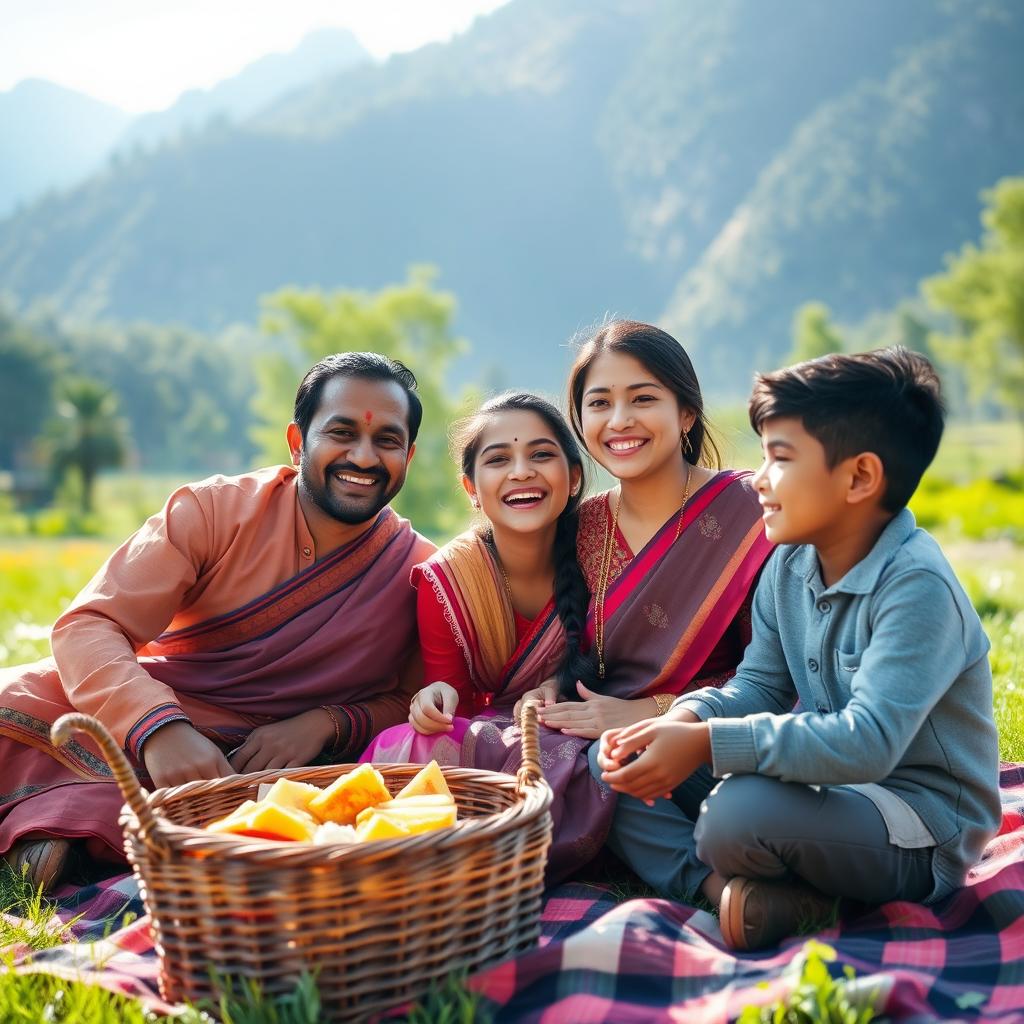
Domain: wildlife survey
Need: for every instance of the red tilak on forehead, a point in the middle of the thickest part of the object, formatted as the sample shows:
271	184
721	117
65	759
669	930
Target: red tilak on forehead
369	417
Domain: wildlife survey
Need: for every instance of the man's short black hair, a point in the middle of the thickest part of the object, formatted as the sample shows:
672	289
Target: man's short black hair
366	365
888	402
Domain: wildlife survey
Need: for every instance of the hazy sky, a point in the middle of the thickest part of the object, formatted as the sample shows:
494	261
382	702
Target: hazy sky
141	54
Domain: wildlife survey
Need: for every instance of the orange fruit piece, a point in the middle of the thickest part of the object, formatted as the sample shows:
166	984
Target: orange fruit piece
347	796
428	780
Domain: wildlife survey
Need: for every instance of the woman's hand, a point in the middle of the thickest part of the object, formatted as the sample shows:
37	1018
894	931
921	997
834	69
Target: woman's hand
289	744
595	713
546	694
433	708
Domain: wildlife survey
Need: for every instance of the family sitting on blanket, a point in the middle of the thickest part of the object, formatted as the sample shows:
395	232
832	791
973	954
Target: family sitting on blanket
210	643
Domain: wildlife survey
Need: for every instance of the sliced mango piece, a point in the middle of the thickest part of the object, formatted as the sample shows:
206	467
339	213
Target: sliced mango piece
426	800
347	796
288	793
376	826
427	780
418	819
267	821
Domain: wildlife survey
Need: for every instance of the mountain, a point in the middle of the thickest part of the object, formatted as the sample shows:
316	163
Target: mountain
867	194
52	137
320	53
708	166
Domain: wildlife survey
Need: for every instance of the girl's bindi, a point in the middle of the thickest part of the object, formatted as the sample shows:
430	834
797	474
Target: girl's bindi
368	417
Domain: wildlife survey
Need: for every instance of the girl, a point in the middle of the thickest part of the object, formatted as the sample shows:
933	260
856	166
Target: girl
501	612
672	553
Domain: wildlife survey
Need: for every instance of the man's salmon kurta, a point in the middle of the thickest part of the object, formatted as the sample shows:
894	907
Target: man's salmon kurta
219	611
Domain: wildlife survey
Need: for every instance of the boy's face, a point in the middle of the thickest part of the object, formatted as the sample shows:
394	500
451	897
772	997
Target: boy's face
802	500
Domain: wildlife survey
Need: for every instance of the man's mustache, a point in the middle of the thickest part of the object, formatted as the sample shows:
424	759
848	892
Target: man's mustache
348	467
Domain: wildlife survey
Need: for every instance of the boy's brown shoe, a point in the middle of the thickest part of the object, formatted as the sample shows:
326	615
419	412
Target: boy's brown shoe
41	861
755	913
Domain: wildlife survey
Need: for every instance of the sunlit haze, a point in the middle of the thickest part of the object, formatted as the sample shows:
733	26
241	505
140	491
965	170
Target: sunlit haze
142	54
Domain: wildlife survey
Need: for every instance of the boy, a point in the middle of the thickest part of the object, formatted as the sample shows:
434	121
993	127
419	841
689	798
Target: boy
856	742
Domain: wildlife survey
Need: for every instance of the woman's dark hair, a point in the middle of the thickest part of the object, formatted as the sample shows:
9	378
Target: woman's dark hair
571	594
888	402
666	359
365	365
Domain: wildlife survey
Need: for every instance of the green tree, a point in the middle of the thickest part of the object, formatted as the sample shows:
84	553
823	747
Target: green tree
813	333
411	322
27	366
983	290
87	436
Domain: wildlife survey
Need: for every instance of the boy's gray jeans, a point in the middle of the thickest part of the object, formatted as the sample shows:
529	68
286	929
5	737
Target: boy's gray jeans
758	827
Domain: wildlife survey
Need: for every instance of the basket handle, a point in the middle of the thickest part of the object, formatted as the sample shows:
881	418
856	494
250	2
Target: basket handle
134	794
529	773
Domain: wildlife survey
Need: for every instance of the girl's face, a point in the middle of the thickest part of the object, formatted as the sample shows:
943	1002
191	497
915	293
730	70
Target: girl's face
631	422
521	476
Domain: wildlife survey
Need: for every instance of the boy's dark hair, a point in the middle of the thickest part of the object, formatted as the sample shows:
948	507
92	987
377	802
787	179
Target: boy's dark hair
888	402
366	365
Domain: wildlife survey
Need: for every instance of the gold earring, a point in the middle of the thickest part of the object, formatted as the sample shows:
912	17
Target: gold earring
575	491
685	444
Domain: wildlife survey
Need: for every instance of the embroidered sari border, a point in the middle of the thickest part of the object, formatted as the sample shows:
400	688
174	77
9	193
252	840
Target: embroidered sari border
271	611
149	723
529	642
656	548
724	598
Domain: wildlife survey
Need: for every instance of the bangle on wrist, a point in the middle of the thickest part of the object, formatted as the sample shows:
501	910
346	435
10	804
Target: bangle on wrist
336	722
664	701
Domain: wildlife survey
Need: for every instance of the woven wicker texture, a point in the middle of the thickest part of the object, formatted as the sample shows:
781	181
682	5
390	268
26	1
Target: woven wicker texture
377	921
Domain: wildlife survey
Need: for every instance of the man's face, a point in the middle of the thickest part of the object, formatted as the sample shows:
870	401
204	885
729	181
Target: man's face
355	454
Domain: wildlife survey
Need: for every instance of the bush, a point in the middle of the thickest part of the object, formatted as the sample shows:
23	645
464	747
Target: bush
981	510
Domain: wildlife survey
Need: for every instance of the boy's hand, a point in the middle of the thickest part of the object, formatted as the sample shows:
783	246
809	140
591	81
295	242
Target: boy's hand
668	752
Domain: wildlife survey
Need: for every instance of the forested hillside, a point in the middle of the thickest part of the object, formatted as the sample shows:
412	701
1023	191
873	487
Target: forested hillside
710	166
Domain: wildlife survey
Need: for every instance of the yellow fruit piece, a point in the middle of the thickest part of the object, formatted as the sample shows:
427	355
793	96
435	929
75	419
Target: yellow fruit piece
376	826
346	797
297	795
428	780
408	804
238	812
267	821
418	819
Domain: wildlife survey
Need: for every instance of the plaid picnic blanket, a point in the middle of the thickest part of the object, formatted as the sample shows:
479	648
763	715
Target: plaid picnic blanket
652	960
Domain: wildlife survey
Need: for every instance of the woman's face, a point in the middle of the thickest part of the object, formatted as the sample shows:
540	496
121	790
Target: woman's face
632	423
521	476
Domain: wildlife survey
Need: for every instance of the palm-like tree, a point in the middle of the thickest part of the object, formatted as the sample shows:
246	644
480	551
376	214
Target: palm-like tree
88	436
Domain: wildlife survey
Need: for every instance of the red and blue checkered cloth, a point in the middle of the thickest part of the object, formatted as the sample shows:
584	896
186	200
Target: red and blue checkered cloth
655	960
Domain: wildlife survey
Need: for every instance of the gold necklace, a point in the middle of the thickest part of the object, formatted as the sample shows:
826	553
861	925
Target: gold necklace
605	569
504	575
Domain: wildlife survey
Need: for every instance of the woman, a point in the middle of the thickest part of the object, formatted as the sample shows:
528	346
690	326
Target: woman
672	553
501	611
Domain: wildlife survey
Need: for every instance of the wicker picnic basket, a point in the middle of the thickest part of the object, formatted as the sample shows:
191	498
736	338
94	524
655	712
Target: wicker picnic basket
377	921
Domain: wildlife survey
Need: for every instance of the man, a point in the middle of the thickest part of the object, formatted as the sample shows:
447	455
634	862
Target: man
255	622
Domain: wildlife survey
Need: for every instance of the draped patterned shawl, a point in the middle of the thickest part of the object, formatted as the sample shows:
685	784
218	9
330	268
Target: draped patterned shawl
674	600
469	584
